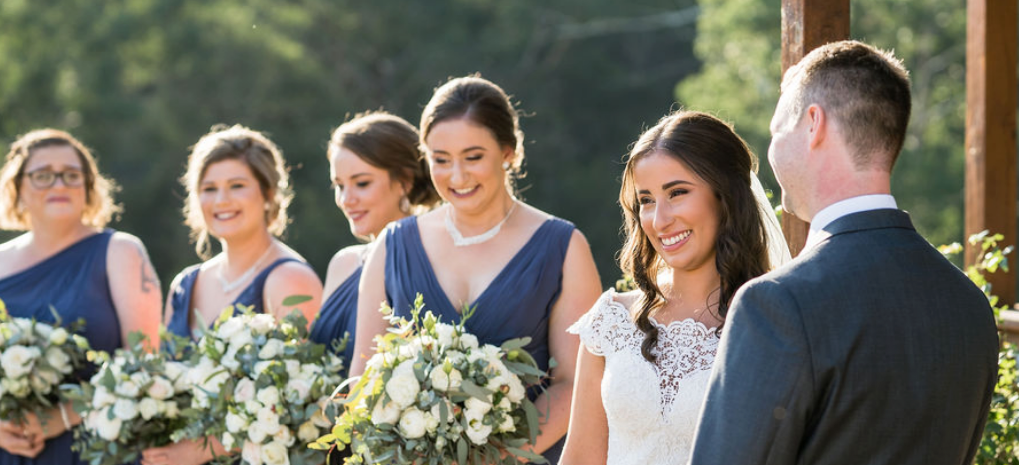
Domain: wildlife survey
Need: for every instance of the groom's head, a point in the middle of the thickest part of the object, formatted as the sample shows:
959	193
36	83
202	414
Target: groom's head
843	100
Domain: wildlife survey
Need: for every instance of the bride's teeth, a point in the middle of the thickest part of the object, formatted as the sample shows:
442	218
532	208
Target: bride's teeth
463	191
674	239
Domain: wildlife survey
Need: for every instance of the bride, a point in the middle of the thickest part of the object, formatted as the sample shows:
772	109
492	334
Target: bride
698	226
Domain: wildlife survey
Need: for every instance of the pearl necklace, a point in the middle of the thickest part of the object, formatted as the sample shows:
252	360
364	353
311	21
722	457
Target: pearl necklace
229	286
460	241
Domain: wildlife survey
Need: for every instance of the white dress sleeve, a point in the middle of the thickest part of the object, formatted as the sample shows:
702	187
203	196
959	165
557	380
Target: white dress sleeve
599	328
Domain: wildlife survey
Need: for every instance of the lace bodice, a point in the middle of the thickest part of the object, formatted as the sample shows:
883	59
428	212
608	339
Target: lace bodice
651	408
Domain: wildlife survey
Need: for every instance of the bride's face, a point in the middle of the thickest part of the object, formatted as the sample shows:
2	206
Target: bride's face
678	212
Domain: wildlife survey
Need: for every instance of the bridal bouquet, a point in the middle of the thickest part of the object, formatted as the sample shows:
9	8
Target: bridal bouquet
133	402
433	395
260	386
35	358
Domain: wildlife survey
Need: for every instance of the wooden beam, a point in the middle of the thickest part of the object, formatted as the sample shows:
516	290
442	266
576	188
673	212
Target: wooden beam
806	25
991	130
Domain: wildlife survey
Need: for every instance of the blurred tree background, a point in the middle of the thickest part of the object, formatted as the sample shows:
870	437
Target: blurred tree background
140	81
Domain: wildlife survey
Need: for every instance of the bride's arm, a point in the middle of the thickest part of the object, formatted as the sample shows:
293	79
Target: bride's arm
581	287
588	439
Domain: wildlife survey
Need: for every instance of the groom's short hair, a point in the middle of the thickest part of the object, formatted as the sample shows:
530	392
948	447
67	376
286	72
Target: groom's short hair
863	89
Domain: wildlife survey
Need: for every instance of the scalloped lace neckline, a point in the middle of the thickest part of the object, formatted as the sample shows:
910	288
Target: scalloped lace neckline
617	305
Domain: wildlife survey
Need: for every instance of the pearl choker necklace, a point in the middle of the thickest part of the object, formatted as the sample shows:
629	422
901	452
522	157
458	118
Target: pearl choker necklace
229	286
460	241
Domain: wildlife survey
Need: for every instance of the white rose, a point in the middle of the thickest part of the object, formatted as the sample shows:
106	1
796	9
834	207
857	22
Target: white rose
516	389
170	409
51	377
256	433
405	368
148	408
445	333
272	349
412	423
478	432
477	405
262	323
102	398
241	339
431	422
293	368
308	432
127	388
260	367
140	378
229	328
17	361
268	420
220	347
175	372
504	405
388	413
252	452
235	423
300	388
403	390
108	428
268	395
58	336
44	330
375	363
16	387
284	436
252	407
245	390
468	341
125	409
436	412
308	371
275	453
443	381
160	389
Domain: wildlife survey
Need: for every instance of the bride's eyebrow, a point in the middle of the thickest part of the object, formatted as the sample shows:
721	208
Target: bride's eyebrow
677	182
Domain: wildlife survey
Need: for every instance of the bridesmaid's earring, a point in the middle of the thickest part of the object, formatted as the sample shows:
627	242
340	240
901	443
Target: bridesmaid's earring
405	205
506	165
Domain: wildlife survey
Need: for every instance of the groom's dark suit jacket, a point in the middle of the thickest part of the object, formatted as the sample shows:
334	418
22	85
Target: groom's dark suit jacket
869	348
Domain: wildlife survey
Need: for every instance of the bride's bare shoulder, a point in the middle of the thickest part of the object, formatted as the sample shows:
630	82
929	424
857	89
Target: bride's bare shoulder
626	299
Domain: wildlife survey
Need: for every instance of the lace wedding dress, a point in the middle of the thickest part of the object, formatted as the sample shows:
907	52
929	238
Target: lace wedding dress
652	408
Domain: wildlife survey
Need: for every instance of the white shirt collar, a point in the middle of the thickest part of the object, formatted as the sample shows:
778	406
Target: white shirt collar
842	208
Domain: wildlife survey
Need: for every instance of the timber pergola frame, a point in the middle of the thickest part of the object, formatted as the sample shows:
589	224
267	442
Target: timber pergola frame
991	81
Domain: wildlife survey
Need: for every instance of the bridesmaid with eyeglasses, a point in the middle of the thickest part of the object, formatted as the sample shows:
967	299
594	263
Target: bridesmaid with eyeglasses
67	262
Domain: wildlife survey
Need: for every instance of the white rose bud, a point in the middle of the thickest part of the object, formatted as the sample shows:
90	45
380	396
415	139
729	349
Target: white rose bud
412	423
244	390
58	336
516	390
308	432
443	381
431	422
125	409
269	395
272	349
235	423
275	453
18	361
507	425
388	413
252	452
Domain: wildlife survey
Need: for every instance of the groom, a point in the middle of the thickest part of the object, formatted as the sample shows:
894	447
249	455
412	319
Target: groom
870	347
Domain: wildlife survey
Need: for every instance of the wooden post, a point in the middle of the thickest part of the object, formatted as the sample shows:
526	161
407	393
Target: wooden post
991	130
806	25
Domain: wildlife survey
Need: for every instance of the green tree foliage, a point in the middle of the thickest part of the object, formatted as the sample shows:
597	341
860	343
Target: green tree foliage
739	42
141	80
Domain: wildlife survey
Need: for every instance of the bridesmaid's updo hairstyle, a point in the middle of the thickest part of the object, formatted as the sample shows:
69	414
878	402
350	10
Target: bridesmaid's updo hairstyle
99	206
715	153
484	103
390	143
260	155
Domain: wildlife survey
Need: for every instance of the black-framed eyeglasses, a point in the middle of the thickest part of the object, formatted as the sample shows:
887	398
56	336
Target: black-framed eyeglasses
46	178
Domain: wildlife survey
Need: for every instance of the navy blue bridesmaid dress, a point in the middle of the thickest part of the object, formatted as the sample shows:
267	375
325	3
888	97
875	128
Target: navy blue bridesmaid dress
338	318
517	303
180	299
72	282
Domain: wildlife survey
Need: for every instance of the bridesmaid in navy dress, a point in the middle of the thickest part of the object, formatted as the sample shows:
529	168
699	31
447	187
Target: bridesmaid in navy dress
67	260
528	273
379	176
238	192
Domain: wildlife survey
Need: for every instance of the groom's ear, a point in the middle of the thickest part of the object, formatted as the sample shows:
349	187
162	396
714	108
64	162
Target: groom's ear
819	127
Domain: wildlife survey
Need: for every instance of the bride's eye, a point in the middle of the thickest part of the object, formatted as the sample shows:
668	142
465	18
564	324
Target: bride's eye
677	192
645	200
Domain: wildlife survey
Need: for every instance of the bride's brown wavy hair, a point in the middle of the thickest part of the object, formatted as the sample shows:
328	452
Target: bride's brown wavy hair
713	151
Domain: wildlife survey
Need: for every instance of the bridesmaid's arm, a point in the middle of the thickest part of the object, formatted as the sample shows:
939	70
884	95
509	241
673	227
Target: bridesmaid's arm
134	287
588	437
343	264
371	293
581	288
291	279
168	308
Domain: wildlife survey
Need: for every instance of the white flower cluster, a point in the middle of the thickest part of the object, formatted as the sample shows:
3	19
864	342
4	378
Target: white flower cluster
133	390
259	378
436	387
35	358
